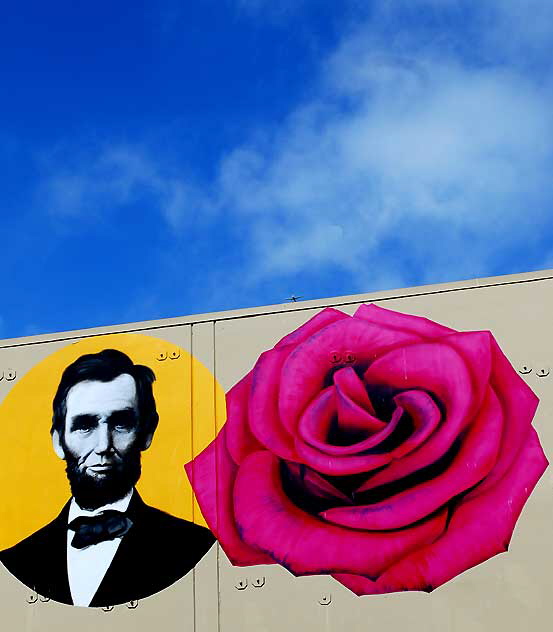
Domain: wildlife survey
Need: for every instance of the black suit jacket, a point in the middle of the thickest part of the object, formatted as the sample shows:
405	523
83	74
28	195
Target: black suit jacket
157	550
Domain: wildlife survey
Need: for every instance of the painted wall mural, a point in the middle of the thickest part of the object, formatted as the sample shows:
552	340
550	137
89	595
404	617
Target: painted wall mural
107	545
384	449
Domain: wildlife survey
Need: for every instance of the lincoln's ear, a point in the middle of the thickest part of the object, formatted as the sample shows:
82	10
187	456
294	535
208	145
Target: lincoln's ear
147	442
57	444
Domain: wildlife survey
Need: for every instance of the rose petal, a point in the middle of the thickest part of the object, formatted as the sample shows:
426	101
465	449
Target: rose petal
347	460
323	318
475	348
212	474
341	465
316	421
353	418
475	459
406	322
479	529
263	411
519	405
351	414
351	387
265	424
425	415
305	544
315	485
305	370
240	441
361	585
318	418
313	430
436	368
319	454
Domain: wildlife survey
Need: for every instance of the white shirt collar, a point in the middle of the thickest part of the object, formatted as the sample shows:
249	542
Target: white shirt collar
120	505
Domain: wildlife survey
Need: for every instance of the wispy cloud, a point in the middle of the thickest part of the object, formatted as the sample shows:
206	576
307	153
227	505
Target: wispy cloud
423	153
413	156
101	181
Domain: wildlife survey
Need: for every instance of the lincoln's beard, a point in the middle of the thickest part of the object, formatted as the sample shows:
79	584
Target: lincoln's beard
91	492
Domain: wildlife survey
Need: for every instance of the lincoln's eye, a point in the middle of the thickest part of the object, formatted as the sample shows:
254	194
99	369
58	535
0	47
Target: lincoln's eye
123	420
83	423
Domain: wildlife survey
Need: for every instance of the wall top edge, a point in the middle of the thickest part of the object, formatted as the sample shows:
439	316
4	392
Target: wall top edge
249	312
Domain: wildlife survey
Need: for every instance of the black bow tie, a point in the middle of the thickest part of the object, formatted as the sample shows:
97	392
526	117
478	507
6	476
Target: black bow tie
108	525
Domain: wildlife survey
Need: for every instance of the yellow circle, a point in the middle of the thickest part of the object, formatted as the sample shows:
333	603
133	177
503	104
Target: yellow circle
191	407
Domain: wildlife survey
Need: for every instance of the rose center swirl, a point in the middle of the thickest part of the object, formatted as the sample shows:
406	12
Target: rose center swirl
365	426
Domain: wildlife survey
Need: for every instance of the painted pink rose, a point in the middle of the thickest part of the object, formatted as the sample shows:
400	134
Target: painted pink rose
384	449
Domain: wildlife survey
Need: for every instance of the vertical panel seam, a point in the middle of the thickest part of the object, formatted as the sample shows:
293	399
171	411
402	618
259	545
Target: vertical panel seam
192	421
215	382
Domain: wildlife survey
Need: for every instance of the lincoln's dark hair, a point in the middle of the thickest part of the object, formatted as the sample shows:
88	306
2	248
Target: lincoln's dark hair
104	367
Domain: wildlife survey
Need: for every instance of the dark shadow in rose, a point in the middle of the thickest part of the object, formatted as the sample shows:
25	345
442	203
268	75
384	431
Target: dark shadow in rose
427	473
295	477
382	399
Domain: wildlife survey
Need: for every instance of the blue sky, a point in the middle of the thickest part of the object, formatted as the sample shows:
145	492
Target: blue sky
168	158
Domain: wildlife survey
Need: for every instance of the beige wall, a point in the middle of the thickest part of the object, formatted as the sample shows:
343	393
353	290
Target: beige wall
509	592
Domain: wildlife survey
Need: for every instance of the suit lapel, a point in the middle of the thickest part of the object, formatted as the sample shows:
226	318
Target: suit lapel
54	562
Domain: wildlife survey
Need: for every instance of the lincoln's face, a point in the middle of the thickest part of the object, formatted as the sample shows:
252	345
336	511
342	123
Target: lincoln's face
101	437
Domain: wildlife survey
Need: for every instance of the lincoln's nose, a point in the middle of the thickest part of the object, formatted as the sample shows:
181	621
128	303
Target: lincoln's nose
104	442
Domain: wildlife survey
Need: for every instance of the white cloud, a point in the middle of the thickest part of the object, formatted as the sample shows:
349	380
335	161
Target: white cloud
409	154
424	154
114	177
